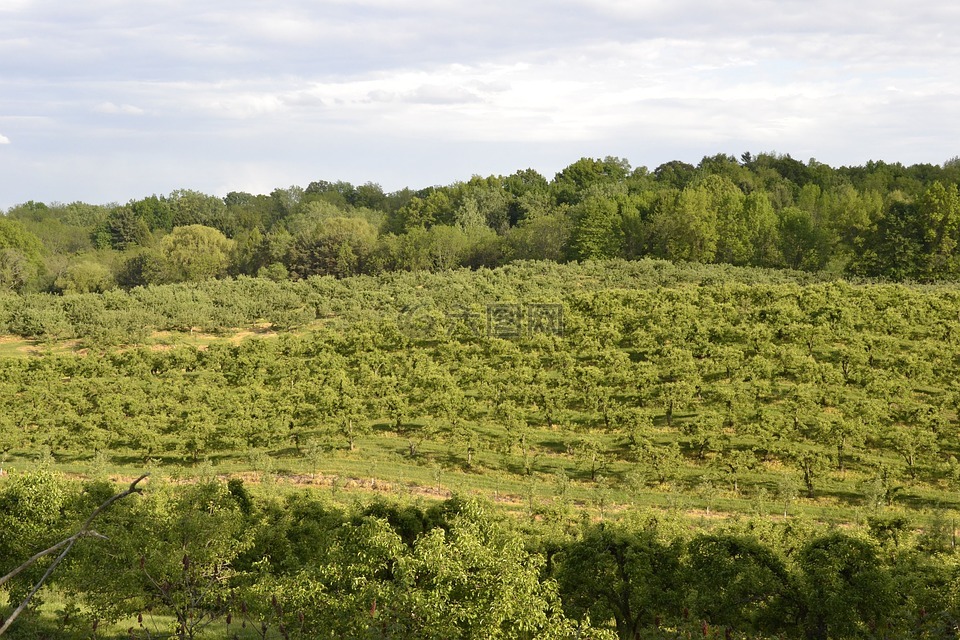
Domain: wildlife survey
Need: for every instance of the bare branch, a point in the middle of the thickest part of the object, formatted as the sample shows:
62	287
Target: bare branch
59	545
123	494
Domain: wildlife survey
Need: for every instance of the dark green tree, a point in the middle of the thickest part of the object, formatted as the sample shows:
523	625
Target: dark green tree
614	572
845	590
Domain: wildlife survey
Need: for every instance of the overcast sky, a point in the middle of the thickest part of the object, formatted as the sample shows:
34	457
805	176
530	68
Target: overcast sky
110	100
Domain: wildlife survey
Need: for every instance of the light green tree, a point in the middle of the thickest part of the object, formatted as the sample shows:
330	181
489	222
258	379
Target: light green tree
598	230
193	253
686	229
86	276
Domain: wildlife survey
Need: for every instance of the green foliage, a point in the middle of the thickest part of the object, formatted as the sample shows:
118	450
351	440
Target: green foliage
210	557
85	277
846	590
31	519
680	387
686	229
586	174
333	246
192	253
768	210
194	208
123	229
737	582
629	576
20	256
473	581
172	550
14	236
598	233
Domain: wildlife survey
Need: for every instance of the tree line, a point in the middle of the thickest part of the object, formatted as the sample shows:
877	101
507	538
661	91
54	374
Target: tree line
878	220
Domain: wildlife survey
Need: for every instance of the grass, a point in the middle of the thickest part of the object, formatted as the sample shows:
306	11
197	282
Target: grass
49	621
381	465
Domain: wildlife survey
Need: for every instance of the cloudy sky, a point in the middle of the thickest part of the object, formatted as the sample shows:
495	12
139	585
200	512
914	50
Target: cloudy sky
109	100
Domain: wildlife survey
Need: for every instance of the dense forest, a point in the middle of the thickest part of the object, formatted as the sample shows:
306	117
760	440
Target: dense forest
713	401
878	220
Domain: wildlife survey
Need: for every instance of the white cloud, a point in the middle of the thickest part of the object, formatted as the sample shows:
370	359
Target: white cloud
12	6
4	139
123	109
442	94
500	82
242	105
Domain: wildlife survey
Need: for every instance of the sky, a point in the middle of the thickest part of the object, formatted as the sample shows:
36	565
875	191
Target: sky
111	100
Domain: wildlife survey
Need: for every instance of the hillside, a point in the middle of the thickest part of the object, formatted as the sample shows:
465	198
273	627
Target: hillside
739	385
398	455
